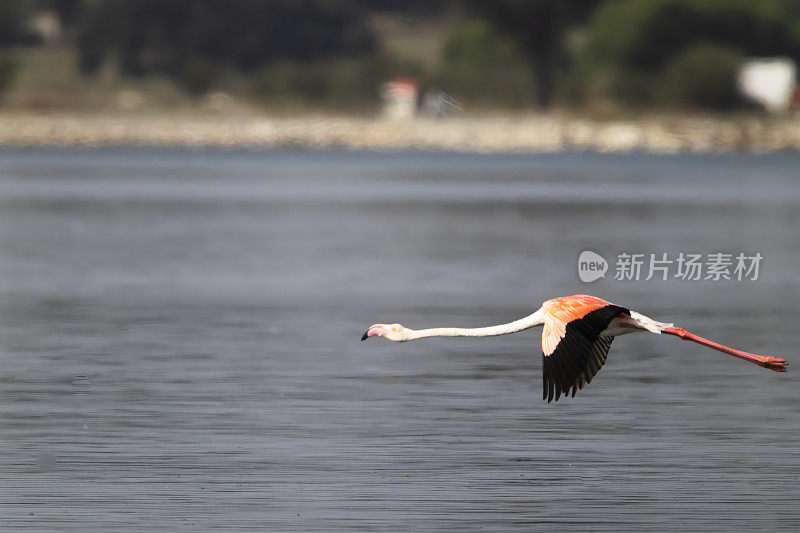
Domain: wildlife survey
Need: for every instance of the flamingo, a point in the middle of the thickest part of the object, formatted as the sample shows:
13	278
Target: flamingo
577	334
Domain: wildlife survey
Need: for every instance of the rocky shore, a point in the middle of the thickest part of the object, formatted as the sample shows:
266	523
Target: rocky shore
528	133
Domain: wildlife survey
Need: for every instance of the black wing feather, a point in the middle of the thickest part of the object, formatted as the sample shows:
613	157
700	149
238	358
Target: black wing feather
579	355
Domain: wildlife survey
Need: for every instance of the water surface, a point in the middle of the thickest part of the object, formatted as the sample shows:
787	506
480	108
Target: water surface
179	343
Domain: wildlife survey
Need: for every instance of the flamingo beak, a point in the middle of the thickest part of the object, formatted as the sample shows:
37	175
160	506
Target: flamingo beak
375	329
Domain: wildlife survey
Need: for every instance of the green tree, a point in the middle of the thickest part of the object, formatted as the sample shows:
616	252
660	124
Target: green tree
637	45
189	38
481	63
703	76
12	17
644	35
539	27
12	32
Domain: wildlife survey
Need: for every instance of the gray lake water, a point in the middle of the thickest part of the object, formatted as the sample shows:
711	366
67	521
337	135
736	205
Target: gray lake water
179	343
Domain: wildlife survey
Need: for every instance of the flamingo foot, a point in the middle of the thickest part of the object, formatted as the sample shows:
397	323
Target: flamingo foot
773	363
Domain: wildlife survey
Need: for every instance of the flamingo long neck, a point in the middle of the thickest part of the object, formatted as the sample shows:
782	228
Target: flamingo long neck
535	319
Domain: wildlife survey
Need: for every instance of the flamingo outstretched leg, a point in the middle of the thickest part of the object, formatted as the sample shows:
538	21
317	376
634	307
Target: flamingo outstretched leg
767	361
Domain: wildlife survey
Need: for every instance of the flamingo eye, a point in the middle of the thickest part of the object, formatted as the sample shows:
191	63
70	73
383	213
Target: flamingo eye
395	329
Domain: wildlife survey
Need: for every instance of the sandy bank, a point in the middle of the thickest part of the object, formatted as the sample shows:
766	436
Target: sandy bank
523	134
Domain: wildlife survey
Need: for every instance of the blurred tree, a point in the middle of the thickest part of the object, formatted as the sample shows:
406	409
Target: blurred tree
633	44
644	35
13	14
187	38
8	71
482	64
703	76
408	7
479	45
539	27
12	21
197	75
69	12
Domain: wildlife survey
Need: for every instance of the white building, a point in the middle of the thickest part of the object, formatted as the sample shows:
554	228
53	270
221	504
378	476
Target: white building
770	82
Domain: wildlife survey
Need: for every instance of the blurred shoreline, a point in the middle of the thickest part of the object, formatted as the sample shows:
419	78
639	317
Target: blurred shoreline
491	134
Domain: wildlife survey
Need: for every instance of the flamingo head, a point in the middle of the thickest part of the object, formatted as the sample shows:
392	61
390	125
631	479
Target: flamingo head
393	332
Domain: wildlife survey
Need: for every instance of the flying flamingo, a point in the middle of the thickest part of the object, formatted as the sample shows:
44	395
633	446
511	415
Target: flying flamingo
578	331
